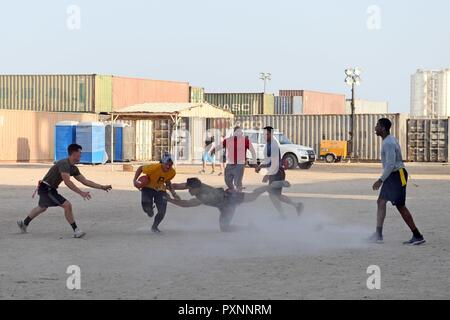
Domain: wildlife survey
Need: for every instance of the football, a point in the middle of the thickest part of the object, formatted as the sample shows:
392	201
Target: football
142	181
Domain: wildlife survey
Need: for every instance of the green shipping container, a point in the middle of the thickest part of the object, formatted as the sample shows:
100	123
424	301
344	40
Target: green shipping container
238	103
103	93
53	93
196	95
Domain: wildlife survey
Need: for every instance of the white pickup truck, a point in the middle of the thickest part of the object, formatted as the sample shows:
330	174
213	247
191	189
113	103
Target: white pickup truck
291	154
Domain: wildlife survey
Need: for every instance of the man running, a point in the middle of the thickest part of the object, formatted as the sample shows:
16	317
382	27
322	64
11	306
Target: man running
275	172
225	201
236	152
393	181
48	190
159	177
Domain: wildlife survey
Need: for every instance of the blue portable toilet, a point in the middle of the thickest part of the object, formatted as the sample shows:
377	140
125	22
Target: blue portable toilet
91	137
65	135
118	141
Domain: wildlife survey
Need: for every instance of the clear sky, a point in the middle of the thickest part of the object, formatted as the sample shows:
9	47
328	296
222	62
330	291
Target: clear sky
224	45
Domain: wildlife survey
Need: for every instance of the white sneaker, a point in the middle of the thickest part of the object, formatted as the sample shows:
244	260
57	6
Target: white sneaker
78	233
22	226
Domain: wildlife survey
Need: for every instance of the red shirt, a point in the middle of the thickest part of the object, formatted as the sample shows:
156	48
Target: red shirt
236	148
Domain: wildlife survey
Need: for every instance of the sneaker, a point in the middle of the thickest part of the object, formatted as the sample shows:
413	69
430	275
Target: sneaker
375	238
220	173
78	234
299	208
22	226
280	184
156	230
415	241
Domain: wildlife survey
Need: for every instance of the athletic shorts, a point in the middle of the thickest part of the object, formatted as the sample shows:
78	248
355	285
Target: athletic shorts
49	197
279	176
230	202
394	188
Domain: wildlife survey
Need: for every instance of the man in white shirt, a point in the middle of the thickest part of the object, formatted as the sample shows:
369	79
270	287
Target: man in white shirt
275	172
393	183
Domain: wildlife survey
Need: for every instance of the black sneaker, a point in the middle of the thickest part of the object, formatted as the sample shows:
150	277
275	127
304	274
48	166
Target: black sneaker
156	230
375	238
415	241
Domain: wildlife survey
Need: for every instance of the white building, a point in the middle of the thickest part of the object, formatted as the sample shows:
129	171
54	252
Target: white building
430	93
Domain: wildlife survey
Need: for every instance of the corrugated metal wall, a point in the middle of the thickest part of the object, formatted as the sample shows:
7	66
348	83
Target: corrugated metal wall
30	136
67	93
309	130
282	105
268	105
238	103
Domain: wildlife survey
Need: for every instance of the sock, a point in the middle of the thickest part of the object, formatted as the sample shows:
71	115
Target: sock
380	231
27	221
74	226
416	233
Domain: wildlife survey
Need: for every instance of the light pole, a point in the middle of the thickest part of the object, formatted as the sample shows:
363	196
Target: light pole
353	79
265	76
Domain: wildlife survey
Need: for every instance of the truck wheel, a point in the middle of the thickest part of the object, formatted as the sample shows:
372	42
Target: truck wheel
290	161
305	165
329	158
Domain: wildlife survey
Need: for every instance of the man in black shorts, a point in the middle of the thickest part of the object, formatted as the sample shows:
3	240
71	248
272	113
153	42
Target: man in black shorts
393	184
275	172
48	190
225	201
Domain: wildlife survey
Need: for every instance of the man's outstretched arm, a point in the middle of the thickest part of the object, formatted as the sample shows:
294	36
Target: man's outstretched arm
82	179
185	203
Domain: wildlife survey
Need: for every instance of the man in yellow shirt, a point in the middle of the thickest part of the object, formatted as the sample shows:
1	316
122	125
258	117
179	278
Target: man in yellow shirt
159	177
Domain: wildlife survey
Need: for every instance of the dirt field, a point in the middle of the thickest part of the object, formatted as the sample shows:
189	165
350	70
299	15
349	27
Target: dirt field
320	255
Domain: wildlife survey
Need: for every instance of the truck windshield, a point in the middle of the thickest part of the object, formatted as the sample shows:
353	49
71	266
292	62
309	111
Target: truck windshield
282	139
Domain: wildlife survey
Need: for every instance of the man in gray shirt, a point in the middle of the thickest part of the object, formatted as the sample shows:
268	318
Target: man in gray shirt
48	190
393	183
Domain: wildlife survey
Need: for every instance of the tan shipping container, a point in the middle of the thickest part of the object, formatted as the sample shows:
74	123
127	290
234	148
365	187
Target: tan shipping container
323	103
29	136
133	91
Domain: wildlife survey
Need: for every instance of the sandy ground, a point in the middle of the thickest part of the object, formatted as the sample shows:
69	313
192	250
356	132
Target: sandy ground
319	255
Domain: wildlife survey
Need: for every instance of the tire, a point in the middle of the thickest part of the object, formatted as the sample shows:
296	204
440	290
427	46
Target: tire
305	165
329	158
290	160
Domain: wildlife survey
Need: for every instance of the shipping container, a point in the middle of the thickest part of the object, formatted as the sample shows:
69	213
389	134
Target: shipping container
290	93
323	103
28	136
268	105
238	103
366	107
103	93
297	105
282	105
133	91
53	93
428	140
309	130
196	95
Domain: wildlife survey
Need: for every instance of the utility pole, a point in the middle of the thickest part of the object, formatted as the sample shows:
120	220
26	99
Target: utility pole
265	76
352	79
